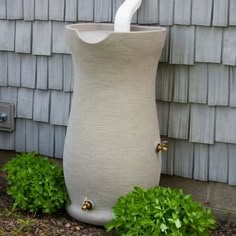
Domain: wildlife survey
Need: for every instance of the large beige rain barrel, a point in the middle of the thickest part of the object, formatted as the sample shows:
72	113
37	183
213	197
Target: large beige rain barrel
113	126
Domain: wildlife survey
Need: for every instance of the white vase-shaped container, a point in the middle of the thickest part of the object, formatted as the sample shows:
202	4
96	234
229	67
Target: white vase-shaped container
113	127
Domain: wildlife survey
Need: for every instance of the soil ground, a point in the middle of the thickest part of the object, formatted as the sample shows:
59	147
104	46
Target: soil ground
60	224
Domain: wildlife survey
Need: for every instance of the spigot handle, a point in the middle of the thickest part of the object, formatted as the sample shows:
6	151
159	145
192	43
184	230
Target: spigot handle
163	146
87	205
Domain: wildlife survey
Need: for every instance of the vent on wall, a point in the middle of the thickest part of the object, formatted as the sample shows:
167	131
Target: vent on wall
7	115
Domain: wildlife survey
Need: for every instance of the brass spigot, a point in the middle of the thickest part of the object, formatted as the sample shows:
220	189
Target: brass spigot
87	205
163	146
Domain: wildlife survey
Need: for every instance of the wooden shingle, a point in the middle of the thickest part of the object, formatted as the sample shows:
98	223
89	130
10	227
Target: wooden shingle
232	164
220	13
59	116
7	35
14	9
201	12
20	135
183	162
3	9
3	68
148	12
55	72
232	86
218	162
85	10
102	10
56	10
232	10
166	48
41	9
68	71
28	71
202	124
71	10
208	44
168	158
225	125
198	77
60	134
8	94
59	44
178	121
165	81
41	105
166	12
181	84
25	103
46	139
32	136
182	12
29	10
182	45
13	69
163	116
200	171
218	85
229	46
42	72
42	38
7	141
23	37
115	6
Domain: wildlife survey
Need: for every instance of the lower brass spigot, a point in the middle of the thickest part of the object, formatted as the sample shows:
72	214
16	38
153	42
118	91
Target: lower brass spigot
87	205
163	146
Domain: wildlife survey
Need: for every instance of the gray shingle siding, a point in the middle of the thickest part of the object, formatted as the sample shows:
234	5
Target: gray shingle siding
198	83
166	12
71	10
148	12
182	45
201	12
14	9
3	9
182	12
23	37
42	38
220	12
29	9
196	79
201	163
202	124
208	44
7	35
3	69
85	10
32	136
41	9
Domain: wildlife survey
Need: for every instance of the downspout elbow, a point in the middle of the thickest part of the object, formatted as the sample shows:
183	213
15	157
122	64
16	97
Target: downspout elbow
124	15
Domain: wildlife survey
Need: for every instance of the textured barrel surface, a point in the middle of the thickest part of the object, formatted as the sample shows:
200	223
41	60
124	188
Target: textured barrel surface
113	127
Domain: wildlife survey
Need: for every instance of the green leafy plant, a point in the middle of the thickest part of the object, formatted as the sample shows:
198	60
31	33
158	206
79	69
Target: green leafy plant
160	211
35	184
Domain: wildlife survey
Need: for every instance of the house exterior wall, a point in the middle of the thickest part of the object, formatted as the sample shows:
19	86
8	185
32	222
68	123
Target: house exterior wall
196	79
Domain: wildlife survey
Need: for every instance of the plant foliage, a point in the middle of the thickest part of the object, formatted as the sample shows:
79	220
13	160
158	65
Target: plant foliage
160	211
36	184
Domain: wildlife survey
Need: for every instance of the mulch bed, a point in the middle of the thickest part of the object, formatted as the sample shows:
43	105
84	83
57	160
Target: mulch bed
20	223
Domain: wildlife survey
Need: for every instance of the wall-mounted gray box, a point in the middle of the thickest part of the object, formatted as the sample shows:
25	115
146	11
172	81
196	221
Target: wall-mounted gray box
7	114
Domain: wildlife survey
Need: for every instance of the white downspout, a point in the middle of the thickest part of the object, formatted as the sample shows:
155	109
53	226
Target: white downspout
124	15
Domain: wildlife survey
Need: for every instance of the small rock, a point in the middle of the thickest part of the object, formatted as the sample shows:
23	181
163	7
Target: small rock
67	225
77	228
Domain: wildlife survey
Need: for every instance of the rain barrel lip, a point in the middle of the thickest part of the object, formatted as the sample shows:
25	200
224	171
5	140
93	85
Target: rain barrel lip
91	27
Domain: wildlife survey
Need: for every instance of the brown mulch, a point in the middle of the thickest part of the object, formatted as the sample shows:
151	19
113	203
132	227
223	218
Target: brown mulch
18	223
